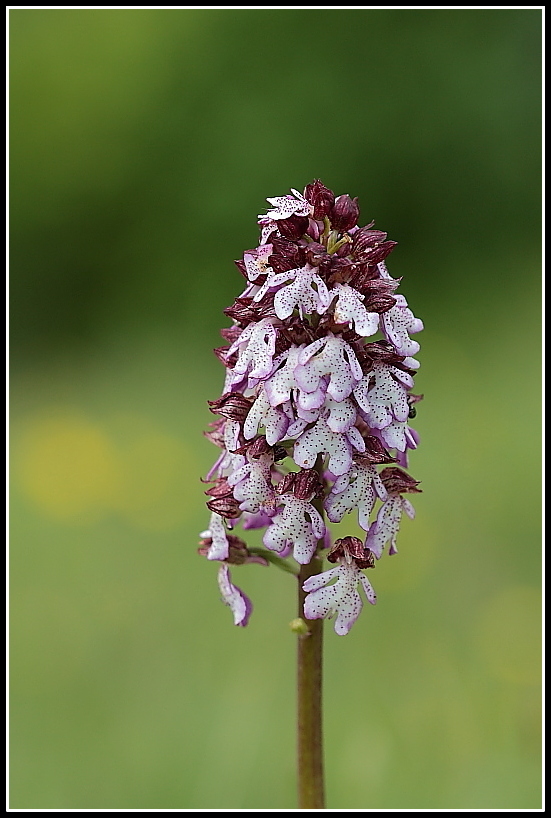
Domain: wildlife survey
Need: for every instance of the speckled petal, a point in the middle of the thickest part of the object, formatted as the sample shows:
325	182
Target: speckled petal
301	294
257	347
355	439
360	493
386	526
256	262
398	323
319	580
285	206
300	524
350	310
333	357
234	597
321	439
281	383
219	548
341	415
342	598
262	413
368	589
381	397
394	435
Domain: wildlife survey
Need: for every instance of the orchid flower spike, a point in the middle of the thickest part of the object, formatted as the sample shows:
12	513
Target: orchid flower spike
317	398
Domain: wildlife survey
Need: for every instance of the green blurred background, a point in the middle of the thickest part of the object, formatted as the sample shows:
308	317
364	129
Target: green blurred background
143	144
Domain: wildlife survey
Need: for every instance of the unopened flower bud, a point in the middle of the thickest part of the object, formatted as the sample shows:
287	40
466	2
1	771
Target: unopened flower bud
321	197
344	213
375	452
294	227
225	507
287	255
258	447
232	405
246	310
380	302
397	481
286	483
374	255
307	484
365	239
221	488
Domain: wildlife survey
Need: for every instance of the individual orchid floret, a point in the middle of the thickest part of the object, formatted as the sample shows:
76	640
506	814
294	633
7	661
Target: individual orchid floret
398	435
320	439
382	397
350	310
333	357
256	261
256	346
253	486
216	533
342	598
397	323
360	492
299	525
238	553
340	415
286	206
262	413
321	197
281	386
388	520
234	597
301	294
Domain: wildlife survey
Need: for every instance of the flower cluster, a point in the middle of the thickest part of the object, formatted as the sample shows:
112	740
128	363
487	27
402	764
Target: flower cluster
319	367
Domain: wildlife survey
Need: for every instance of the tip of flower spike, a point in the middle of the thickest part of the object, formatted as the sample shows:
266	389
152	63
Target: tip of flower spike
299	626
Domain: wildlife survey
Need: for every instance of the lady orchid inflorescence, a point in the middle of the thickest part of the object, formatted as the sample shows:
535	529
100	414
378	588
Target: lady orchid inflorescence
319	367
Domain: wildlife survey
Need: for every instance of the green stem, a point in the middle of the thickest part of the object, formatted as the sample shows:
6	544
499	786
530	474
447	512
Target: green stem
311	790
269	556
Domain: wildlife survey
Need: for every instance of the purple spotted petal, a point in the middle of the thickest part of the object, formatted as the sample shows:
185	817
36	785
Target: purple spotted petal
240	604
398	323
220	546
262	413
332	357
320	439
300	524
350	310
285	206
256	261
363	487
341	599
387	524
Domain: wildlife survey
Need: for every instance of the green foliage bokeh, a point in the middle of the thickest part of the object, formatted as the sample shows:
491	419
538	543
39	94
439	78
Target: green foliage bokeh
143	143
